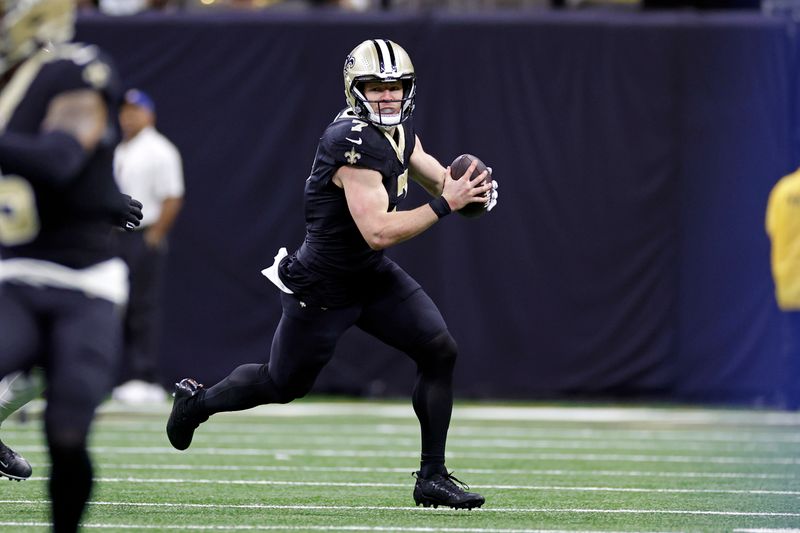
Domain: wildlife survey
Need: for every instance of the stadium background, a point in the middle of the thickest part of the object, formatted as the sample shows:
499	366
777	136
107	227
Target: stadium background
635	153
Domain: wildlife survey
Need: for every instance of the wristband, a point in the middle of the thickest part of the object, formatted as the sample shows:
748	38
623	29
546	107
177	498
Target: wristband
440	206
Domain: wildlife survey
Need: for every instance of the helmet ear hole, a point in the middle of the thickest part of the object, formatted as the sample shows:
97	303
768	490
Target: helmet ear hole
408	85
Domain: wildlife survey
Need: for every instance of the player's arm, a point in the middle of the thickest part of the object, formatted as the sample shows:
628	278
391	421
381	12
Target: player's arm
426	170
367	201
74	125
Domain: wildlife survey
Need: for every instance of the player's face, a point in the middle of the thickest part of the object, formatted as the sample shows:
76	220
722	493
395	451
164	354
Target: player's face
385	98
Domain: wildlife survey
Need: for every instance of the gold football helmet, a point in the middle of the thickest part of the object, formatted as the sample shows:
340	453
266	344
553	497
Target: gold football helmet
27	25
379	60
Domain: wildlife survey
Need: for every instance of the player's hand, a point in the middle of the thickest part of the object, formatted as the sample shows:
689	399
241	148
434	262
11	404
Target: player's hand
461	191
131	213
492	201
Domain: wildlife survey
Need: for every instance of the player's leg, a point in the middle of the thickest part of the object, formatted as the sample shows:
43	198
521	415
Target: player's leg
405	317
19	388
86	343
16	390
303	344
19	345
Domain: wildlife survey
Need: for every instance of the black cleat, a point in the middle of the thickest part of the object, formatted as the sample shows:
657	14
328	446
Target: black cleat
445	489
13	465
182	422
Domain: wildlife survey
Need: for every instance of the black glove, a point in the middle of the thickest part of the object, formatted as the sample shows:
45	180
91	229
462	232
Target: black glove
130	214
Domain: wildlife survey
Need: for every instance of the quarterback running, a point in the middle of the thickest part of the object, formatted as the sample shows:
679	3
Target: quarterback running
340	277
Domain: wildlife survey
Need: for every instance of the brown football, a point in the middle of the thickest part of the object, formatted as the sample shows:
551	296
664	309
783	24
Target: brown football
457	169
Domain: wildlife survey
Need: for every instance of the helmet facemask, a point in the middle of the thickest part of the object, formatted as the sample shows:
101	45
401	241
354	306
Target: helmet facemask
366	111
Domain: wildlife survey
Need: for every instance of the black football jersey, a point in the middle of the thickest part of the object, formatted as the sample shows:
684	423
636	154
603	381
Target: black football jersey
74	219
333	245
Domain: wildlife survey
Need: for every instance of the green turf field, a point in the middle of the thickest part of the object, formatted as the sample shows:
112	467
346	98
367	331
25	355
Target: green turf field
346	466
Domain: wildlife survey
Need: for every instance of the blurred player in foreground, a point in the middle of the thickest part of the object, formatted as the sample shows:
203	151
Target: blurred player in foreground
340	277
60	286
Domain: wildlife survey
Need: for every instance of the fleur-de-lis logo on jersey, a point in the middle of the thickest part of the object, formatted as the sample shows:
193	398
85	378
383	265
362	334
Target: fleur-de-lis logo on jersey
352	156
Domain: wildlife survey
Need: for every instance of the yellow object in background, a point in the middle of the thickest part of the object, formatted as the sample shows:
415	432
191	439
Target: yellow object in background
783	228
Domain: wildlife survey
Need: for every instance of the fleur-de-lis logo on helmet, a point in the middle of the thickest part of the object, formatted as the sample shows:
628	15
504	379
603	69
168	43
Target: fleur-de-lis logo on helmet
349	62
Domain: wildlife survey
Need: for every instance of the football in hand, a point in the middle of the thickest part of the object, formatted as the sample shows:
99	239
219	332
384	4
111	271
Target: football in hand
457	169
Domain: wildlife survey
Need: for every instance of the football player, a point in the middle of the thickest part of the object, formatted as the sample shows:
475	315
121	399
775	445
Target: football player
60	285
339	277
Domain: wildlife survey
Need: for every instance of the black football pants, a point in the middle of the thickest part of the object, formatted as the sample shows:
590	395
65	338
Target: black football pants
398	312
76	339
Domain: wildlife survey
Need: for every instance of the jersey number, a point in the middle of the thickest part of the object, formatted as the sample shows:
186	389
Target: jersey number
19	220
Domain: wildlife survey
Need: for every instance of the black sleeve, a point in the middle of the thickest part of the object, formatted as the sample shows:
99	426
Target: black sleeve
358	148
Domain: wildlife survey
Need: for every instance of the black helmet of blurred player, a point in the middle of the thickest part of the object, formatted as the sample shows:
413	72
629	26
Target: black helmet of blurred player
379	60
28	25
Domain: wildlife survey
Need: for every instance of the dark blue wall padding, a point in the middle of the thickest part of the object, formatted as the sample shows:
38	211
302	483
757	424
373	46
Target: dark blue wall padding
634	152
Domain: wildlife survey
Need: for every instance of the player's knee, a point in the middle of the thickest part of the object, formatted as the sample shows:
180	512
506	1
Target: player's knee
64	438
282	391
66	424
439	354
291	392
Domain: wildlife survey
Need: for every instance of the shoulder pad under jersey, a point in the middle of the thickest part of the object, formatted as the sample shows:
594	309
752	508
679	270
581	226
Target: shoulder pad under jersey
352	141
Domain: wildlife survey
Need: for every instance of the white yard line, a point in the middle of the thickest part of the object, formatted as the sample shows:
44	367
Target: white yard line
454	443
308	528
765	530
403	486
224	425
288	453
682	415
266	438
406	469
268	428
407	509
